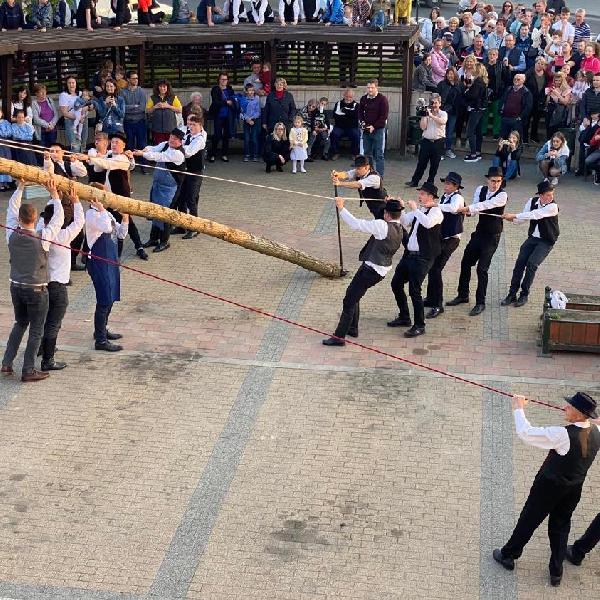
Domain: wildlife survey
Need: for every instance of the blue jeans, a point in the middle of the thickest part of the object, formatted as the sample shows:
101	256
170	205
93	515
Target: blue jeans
450	126
251	133
137	136
373	148
73	143
379	19
352	133
511	167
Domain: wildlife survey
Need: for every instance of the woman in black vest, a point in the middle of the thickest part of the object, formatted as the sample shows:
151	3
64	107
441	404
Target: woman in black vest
541	212
556	489
163	107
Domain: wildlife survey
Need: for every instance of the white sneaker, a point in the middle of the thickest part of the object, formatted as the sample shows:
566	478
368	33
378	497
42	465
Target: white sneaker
294	171
302	170
450	154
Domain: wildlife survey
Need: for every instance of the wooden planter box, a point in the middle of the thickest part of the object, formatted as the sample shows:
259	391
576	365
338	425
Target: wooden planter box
575	328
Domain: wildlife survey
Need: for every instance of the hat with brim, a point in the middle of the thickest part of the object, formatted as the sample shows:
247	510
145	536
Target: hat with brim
119	135
393	206
453	177
430	188
177	133
494	172
584	403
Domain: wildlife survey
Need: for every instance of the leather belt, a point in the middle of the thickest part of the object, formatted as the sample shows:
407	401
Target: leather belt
28	285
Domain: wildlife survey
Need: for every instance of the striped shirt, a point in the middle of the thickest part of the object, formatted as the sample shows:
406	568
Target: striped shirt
582	32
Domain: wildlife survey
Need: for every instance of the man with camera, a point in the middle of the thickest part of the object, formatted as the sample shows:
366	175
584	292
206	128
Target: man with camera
433	124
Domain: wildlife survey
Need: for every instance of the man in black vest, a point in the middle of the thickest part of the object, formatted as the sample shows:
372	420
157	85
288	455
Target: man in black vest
557	486
489	201
422	248
542	213
452	226
186	199
29	277
367	181
376	257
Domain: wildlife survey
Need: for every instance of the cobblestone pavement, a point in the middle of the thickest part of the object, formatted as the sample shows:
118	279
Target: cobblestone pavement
222	455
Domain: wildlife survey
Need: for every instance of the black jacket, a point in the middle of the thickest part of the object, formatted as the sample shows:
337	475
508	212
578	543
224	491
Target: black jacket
475	95
216	100
450	95
526	101
499	78
539	96
274	147
279	110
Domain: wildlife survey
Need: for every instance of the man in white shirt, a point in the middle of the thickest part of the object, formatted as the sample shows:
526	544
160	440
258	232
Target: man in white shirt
488	202
376	257
566	29
59	274
423	224
556	489
541	212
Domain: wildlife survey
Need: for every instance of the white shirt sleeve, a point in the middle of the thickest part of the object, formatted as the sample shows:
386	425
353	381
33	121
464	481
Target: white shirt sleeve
550	210
378	228
499	199
114	163
196	145
169	155
372	181
51	230
78	169
12	212
72	230
431	219
457	202
546	438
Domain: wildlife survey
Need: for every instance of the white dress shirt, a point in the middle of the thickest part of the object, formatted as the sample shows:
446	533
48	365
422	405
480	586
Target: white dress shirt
110	162
47	233
436	130
370	180
99	222
456	201
543	211
500	199
77	167
378	228
431	219
156	154
59	258
546	438
196	144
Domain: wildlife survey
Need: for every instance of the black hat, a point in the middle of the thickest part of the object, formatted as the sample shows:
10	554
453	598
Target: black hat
544	186
393	206
584	403
361	161
495	172
453	177
119	135
429	188
178	133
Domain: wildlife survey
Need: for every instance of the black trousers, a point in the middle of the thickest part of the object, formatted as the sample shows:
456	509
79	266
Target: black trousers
533	123
132	231
58	301
76	246
479	251
412	268
435	284
189	195
429	152
508	124
588	540
546	499
532	254
101	315
364	278
160	235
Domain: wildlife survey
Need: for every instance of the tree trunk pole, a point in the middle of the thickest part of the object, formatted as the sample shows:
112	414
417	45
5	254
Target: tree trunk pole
149	210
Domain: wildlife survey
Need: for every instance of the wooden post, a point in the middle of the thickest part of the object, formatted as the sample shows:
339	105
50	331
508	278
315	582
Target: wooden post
141	66
407	75
154	211
6	75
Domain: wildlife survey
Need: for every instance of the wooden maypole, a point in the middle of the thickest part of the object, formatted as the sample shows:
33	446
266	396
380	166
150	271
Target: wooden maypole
149	210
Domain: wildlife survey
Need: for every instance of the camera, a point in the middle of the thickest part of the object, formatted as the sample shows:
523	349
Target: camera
422	108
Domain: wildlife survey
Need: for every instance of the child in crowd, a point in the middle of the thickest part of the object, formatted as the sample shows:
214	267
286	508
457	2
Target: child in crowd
265	77
120	80
22	131
361	12
508	154
298	144
250	115
81	108
380	15
555	48
42	15
146	16
348	15
5	152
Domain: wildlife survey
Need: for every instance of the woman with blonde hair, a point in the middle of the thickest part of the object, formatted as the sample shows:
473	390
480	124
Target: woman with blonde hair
277	148
552	158
475	97
559	102
280	106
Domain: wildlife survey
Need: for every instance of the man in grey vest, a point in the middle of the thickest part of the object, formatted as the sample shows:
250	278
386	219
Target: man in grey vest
557	486
29	277
386	238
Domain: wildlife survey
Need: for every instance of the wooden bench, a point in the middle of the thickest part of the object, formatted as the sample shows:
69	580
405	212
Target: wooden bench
575	328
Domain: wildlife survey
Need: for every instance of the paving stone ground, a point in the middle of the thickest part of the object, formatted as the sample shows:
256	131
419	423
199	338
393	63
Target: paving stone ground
226	456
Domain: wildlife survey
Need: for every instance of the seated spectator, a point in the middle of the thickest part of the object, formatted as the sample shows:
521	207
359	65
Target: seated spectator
260	12
345	118
277	148
181	13
559	101
146	16
110	108
11	16
427	26
423	76
122	14
208	13
590	62
508	154
590	103
289	12
552	158
63	15
194	106
334	12
86	16
587	130
468	31
448	49
592	160
42	15
439	28
45	116
453	29
477	50
21	131
318	132
449	90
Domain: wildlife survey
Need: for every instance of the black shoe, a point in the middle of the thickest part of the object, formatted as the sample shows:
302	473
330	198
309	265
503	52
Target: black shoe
507	563
211	159
333	342
510	299
309	159
141	254
111	336
279	169
190	235
399	322
353	333
458	300
108	347
162	247
324	157
477	310
578	173
414	331
51	365
436	311
178	230
572	558
150	243
78	268
411	184
267	169
555	580
521	301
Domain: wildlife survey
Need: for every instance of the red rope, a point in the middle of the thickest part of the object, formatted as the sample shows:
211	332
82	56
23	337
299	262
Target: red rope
264	313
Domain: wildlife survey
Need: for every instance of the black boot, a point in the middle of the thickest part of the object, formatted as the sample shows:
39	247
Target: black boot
48	362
